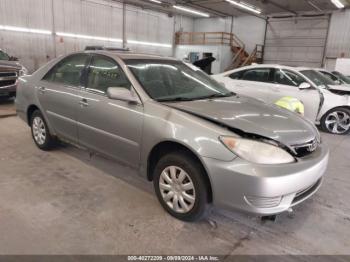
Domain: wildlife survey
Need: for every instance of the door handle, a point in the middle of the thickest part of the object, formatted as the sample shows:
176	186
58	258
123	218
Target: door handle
83	102
42	89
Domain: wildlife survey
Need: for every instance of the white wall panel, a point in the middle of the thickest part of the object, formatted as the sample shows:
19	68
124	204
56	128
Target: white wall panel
101	18
184	23
251	30
212	24
148	26
338	44
296	41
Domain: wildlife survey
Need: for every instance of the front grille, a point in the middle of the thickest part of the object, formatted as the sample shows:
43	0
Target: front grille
8	74
303	194
305	149
7	83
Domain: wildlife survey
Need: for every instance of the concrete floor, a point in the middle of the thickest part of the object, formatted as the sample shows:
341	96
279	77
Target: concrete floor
7	107
62	202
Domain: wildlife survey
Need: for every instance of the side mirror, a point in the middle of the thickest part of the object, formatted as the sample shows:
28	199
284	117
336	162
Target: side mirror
12	58
123	94
304	86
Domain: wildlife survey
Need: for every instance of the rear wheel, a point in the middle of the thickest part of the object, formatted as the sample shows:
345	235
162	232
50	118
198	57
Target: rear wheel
40	131
180	186
337	121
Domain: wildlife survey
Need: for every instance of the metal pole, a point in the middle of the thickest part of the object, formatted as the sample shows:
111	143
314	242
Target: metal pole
53	29
124	26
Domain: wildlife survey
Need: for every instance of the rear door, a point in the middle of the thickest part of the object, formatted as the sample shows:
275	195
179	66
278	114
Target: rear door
58	94
112	127
253	82
286	83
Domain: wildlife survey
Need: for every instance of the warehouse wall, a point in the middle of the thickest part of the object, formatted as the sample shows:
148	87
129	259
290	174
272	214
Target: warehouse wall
250	29
100	18
296	41
338	44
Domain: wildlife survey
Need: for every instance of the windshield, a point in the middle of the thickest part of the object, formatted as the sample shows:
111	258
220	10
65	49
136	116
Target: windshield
318	78
4	56
344	78
174	81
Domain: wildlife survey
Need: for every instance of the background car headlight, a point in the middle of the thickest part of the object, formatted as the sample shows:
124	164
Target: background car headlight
257	152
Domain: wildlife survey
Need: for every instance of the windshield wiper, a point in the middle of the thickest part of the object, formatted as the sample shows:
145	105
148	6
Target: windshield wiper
174	99
217	95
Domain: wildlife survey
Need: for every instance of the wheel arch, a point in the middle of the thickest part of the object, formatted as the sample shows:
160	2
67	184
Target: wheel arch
169	146
30	111
334	108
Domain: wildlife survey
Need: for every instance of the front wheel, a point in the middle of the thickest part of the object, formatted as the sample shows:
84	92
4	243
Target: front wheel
40	132
180	186
336	121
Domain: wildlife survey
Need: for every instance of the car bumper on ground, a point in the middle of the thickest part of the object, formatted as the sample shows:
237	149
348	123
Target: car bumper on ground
266	189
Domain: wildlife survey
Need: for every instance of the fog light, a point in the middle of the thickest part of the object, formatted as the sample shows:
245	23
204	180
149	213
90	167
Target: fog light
263	202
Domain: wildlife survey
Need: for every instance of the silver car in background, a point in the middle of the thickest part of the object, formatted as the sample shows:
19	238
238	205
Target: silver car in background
199	143
10	70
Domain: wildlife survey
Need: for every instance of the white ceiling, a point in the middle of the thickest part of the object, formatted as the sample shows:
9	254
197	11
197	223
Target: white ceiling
222	8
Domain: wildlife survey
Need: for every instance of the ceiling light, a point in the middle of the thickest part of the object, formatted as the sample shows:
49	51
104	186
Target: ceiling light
24	30
89	37
338	4
156	1
190	10
247	6
148	43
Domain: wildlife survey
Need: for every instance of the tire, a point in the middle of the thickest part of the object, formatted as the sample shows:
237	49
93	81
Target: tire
192	204
40	132
336	121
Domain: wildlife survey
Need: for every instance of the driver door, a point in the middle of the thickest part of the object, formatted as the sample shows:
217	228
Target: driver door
111	127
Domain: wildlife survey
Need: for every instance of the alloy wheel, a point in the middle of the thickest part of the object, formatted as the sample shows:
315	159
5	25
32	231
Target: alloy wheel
39	130
177	189
338	122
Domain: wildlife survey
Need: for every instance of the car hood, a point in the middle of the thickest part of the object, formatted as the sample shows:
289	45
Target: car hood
247	116
10	65
341	89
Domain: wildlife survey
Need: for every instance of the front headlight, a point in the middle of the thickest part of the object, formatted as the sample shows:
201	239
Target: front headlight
23	71
257	152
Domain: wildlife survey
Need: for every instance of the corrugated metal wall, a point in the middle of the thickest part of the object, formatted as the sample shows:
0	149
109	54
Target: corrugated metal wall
338	44
296	41
87	17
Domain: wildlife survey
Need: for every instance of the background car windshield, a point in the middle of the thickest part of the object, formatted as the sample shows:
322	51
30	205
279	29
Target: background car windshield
342	77
4	56
172	80
318	78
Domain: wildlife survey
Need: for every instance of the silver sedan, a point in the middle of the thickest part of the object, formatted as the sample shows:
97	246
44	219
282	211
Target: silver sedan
199	143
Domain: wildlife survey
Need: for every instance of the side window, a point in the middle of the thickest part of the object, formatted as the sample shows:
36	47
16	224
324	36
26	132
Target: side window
236	75
68	71
258	74
286	77
104	72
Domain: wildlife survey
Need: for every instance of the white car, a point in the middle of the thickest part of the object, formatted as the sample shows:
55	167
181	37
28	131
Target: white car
325	104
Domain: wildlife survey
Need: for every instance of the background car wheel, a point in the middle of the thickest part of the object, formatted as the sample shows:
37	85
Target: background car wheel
180	186
337	121
40	131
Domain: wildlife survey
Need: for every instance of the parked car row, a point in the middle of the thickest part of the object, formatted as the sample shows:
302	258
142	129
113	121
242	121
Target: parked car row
200	143
10	69
327	102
